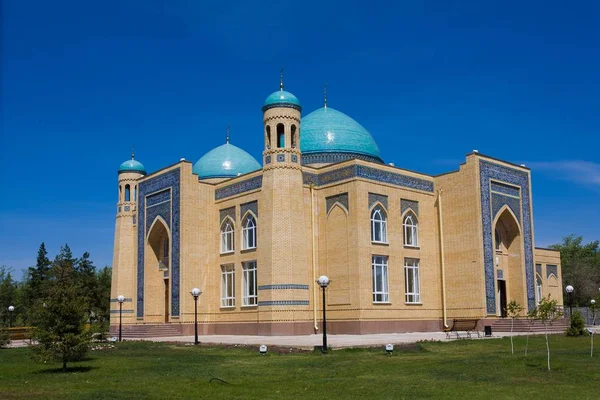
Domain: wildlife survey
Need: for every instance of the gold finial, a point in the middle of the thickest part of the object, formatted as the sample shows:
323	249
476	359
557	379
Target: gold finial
281	80
325	95
133	152
228	133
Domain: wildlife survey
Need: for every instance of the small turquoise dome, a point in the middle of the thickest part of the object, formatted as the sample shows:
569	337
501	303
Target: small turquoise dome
328	135
225	161
132	166
282	98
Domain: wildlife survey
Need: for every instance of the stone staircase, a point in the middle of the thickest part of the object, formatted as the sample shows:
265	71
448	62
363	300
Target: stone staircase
146	331
522	325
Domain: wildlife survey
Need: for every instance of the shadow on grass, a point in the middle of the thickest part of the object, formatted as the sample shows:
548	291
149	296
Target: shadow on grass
69	370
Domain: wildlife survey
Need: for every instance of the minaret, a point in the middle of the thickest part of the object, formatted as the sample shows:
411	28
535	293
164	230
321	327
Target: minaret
285	263
124	263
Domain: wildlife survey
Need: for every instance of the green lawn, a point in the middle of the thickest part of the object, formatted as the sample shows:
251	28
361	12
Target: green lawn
466	369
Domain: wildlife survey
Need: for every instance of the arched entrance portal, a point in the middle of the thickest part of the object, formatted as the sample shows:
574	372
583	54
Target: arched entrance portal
157	271
509	261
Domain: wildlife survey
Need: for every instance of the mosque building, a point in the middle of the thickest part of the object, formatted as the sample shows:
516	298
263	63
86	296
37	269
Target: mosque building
405	251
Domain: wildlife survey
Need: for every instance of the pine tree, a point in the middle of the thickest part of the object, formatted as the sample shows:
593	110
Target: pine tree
36	280
87	283
59	316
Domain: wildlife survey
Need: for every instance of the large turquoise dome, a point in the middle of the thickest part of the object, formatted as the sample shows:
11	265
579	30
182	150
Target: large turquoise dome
328	136
225	161
281	98
132	166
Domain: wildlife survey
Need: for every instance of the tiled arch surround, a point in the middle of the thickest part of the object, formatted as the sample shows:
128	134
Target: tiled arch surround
491	174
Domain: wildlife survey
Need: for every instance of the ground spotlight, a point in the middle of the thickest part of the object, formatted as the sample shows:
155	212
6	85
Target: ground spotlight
389	348
263	349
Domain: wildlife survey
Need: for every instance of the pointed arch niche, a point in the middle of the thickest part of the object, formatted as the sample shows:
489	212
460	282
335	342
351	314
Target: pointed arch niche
509	261
336	257
157	271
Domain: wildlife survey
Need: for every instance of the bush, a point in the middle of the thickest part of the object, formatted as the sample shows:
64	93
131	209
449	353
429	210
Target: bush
4	339
577	327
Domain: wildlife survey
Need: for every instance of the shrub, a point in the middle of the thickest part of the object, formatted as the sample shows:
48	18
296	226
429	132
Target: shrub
577	327
4	339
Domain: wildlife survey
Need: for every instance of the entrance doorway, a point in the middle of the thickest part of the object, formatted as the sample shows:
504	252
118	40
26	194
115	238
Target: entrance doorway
502	298
166	300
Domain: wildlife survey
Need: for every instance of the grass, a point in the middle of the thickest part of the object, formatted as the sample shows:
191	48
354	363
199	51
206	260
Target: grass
460	369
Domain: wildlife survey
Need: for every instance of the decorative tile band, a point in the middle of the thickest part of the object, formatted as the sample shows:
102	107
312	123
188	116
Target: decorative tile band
341	198
409	205
124	311
283	303
170	212
239	187
285	286
378	198
361	171
282	105
157	198
227	212
251	206
127	300
506	189
332	158
487	172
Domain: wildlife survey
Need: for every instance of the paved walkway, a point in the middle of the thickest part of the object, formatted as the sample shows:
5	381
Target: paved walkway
309	341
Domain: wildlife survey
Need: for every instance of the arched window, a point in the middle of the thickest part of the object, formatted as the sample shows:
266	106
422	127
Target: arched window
135	193
411	230
498	239
249	233
294	143
280	136
127	193
378	225
227	236
120	191
165	256
539	293
268	137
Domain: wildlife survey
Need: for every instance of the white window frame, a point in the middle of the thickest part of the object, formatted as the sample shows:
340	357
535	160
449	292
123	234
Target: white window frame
227	286
381	292
249	232
411	230
412	287
250	290
539	289
378	225
227	236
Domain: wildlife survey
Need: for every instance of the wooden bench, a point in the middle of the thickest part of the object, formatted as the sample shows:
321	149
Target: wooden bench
462	325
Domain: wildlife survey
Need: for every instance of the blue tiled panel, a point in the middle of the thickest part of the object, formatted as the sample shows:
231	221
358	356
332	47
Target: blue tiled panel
378	198
489	171
227	212
506	189
251	206
284	286
159	197
294	158
551	269
168	180
268	160
283	303
500	200
280	157
341	198
409	205
239	187
371	173
163	209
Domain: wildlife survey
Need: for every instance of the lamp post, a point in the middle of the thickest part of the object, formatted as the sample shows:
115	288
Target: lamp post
593	307
324	281
11	309
569	290
196	293
120	299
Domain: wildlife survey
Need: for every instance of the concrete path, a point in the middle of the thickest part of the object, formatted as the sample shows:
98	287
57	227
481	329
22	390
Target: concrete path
309	341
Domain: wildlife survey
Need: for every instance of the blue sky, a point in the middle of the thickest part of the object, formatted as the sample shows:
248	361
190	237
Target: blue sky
84	81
